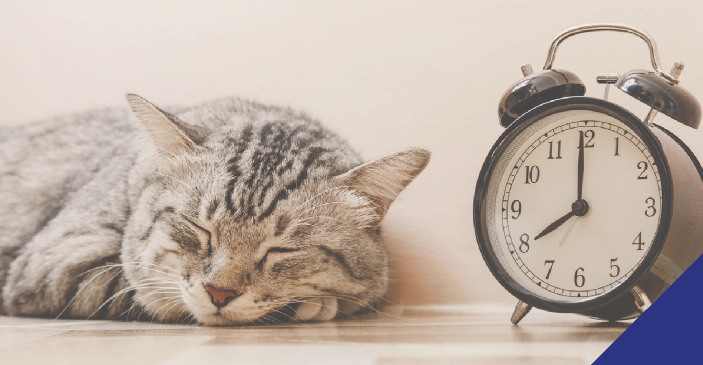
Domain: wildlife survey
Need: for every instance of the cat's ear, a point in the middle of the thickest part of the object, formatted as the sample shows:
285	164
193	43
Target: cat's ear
381	180
170	135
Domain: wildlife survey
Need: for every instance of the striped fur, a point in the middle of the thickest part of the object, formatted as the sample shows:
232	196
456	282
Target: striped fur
111	214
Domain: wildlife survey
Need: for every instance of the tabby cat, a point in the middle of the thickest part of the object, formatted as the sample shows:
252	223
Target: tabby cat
229	212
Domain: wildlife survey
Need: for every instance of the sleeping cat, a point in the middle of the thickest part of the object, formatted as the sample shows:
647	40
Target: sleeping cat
229	212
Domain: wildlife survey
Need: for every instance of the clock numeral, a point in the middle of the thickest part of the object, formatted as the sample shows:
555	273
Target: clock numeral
590	134
551	266
642	165
638	242
617	146
524	244
579	280
516	207
616	267
531	174
551	151
651	210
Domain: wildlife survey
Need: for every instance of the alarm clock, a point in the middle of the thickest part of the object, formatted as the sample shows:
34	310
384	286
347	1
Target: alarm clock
583	207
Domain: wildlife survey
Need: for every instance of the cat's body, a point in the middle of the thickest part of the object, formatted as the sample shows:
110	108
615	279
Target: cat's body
225	213
48	177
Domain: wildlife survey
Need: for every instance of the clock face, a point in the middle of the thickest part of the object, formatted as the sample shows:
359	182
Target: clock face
574	205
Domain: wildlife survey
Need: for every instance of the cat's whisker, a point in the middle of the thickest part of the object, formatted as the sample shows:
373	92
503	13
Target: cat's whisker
109	300
326	306
185	318
370	291
154	315
267	319
172	306
274	309
159	291
285	315
134	262
136	303
368	306
123	265
157	280
189	318
140	256
155	270
360	304
148	268
83	287
127	289
153	264
303	300
182	313
107	268
373	293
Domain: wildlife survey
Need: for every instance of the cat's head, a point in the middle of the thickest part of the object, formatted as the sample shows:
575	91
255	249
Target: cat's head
249	221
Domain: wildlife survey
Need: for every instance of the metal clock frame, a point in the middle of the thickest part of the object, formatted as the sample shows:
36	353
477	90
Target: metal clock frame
516	128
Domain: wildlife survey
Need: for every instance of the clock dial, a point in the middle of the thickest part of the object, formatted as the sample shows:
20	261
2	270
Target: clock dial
574	205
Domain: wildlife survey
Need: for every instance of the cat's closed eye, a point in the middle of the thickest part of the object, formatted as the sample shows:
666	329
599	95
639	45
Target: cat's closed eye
202	230
276	251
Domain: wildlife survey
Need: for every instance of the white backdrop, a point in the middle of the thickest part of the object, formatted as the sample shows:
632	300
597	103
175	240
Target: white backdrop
385	75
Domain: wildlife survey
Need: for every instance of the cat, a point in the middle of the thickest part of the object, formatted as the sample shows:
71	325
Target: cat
226	213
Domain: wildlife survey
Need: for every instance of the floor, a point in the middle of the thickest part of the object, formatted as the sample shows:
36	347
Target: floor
400	335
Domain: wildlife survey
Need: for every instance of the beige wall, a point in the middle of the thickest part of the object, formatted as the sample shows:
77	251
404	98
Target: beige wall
385	75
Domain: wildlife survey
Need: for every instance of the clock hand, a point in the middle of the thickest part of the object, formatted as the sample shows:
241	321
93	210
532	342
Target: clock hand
580	168
579	208
568	230
556	224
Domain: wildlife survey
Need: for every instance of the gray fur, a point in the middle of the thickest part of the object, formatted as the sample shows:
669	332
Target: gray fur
108	215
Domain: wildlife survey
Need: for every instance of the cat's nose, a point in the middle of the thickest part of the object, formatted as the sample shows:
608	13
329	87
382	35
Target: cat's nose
220	298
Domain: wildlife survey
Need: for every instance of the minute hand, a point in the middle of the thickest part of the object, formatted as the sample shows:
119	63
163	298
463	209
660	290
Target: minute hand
580	168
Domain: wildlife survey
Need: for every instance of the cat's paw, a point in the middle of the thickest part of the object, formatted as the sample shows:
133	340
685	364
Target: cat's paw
318	309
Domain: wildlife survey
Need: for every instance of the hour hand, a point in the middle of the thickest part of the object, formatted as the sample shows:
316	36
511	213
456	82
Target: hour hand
556	224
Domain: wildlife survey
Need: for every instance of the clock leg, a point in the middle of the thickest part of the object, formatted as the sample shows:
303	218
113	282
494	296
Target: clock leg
641	299
521	310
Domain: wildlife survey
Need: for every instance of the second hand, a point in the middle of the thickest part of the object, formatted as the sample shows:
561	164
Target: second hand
566	234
